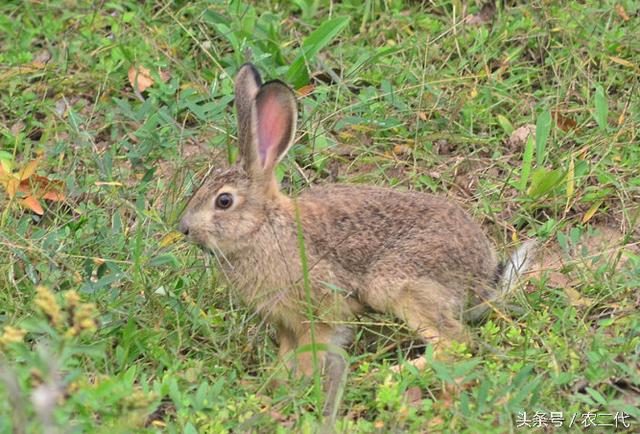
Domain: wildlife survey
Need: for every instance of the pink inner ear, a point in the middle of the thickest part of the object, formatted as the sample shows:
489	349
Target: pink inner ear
272	127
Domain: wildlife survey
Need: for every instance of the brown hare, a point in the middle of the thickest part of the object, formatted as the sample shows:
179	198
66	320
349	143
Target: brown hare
415	255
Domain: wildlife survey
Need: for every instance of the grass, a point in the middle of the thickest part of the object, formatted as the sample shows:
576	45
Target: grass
406	95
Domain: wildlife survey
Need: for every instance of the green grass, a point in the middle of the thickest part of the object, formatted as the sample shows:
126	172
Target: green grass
404	95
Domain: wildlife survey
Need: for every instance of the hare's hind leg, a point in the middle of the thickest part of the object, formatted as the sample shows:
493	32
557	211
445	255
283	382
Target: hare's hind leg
431	311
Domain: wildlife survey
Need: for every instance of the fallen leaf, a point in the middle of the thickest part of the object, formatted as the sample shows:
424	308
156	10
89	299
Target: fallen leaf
484	16
563	122
624	62
520	135
55	196
109	183
43	57
593	250
12	186
413	396
422	116
401	150
435	422
575	298
16	128
621	12
42	187
305	90
33	204
591	212
170	238
140	78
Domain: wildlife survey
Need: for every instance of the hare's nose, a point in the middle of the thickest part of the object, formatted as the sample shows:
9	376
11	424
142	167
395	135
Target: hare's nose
183	227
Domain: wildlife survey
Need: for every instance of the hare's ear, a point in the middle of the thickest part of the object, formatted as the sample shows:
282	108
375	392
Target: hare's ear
247	86
275	113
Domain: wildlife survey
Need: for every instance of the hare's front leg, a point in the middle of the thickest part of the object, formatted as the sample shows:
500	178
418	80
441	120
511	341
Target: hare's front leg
286	342
331	363
313	355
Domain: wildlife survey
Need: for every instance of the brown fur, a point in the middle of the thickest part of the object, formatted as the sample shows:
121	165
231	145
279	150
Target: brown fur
412	254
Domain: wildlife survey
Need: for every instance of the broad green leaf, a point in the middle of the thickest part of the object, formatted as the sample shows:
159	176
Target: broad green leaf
163	260
505	124
316	41
543	126
570	181
543	181
601	108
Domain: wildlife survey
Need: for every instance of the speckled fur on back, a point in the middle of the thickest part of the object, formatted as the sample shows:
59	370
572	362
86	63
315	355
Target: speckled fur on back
418	256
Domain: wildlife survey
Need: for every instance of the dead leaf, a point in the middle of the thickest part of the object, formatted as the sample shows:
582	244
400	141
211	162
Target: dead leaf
16	128
33	204
602	244
401	150
12	186
43	57
520	135
624	62
42	187
54	196
108	183
435	422
170	238
563	122
422	116
484	16
621	12
140	78
413	396
591	211
575	298
305	90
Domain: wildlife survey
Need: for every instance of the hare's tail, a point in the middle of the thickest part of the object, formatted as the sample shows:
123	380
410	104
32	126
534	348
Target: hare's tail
509	276
514	268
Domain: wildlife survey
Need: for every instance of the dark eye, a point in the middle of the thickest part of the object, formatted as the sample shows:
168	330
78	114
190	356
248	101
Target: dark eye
224	200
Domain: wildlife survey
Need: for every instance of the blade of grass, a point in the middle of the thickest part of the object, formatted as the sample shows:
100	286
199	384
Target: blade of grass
526	164
297	74
543	127
310	313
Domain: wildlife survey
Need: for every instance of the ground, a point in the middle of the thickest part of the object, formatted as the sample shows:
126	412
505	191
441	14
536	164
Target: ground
526	113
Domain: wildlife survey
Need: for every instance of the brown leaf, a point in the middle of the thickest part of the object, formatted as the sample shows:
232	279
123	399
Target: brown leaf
401	149
413	396
520	135
484	16
12	186
435	422
603	241
33	204
55	196
140	78
164	76
42	187
305	90
563	122
621	12
17	128
422	116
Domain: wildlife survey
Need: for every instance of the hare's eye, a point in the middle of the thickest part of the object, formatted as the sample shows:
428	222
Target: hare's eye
224	200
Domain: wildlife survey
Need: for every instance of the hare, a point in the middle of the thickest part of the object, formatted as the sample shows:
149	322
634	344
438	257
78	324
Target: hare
417	256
